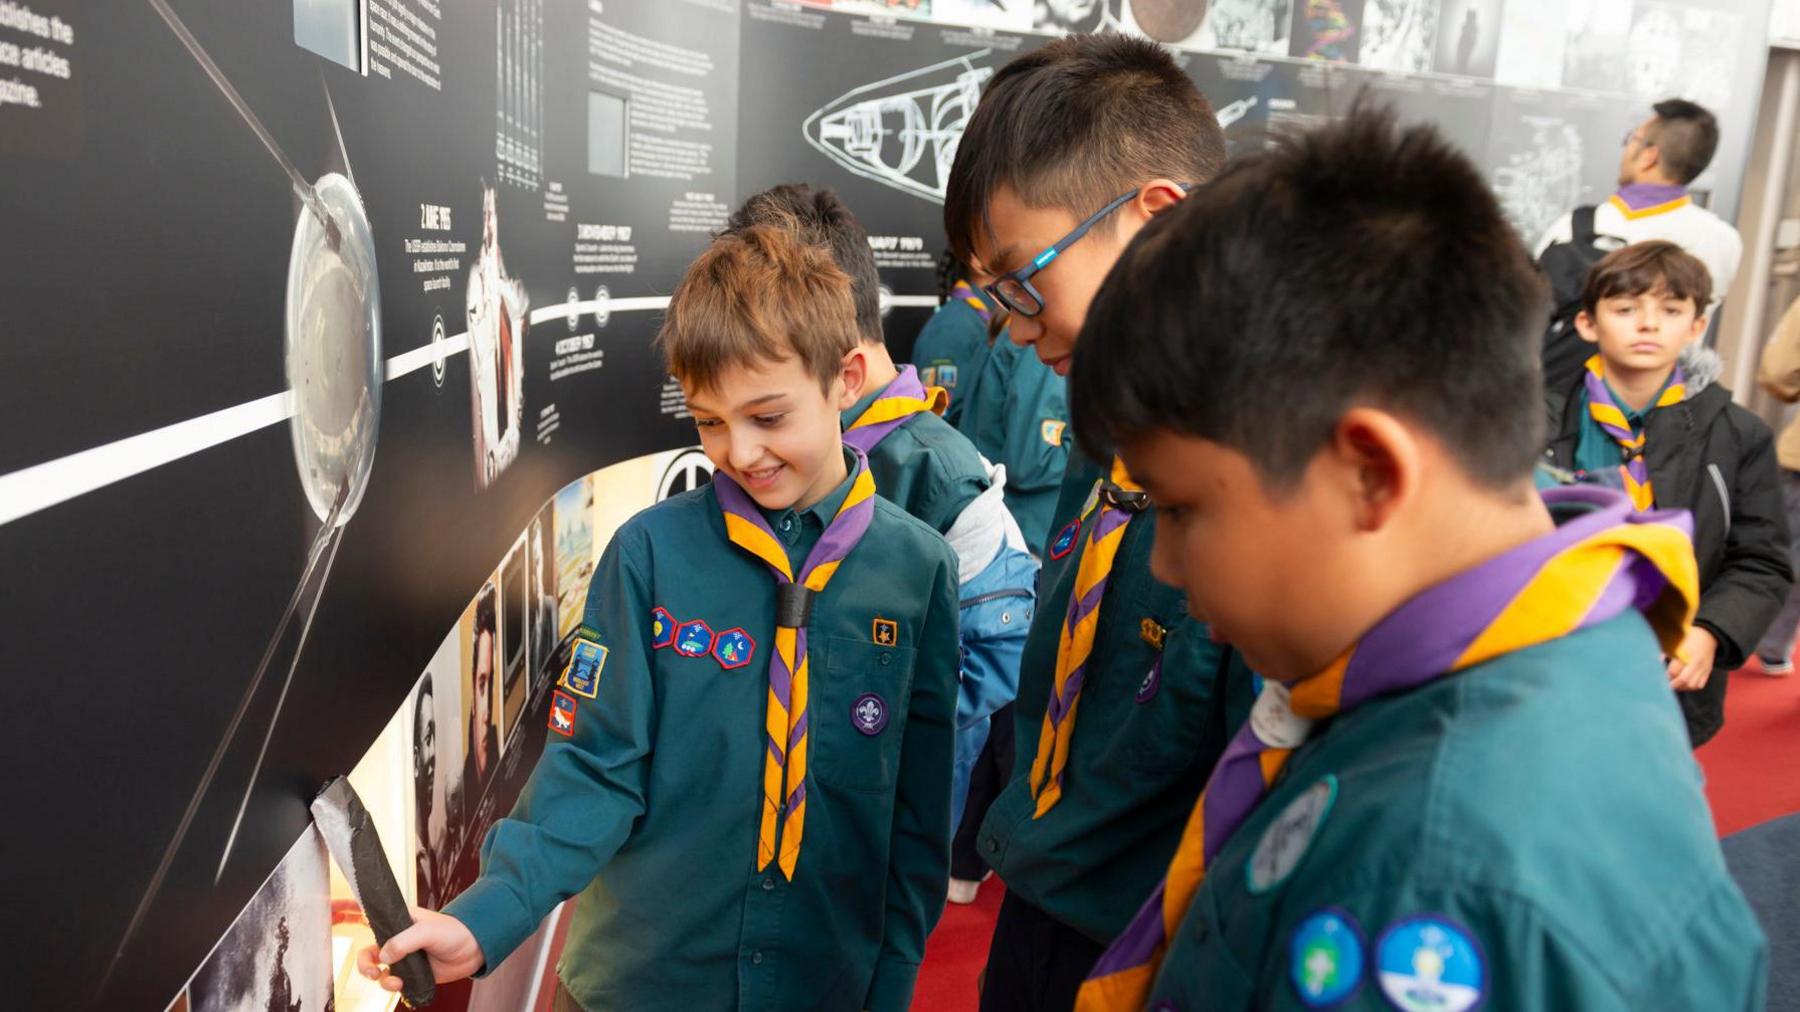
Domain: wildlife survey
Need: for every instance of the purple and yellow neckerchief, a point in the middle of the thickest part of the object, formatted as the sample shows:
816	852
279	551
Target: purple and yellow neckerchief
1611	418
1644	200
785	719
1118	500
968	294
1589	570
905	397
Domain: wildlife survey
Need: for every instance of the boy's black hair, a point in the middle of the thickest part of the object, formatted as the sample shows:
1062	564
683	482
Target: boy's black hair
824	219
1363	263
1686	135
1075	124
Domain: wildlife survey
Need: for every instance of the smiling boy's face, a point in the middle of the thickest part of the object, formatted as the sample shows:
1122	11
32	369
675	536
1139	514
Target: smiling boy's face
770	427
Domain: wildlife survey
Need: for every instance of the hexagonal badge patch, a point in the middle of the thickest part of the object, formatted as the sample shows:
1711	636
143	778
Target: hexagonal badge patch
693	639
733	649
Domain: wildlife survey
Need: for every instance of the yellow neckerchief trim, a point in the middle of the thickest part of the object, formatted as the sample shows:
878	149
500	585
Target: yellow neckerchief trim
1651	211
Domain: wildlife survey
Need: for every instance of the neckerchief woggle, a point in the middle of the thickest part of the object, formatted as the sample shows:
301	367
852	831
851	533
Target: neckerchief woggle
905	397
1611	418
967	294
785	718
1117	500
1589	570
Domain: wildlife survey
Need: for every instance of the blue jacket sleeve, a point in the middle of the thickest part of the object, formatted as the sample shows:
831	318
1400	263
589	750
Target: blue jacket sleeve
588	788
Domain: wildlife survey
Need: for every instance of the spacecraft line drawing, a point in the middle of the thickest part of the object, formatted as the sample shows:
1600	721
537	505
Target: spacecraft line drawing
902	131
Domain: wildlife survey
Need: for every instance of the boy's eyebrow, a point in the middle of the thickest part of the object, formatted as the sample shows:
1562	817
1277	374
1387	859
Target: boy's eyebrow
764	399
1002	261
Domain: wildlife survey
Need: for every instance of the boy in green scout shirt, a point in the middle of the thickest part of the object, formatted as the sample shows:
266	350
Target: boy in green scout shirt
748	772
928	469
1465	782
1122	706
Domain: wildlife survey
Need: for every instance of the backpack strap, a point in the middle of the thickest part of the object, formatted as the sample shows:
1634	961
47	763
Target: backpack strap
1581	225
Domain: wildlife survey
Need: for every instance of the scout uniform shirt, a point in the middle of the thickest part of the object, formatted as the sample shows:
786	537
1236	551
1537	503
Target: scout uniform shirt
1152	720
1528	832
925	467
1016	412
648	796
953	343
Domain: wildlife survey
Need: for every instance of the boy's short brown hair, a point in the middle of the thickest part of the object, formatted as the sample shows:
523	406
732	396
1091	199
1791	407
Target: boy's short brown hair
759	294
1648	267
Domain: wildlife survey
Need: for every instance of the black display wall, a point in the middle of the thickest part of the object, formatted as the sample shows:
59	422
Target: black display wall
326	372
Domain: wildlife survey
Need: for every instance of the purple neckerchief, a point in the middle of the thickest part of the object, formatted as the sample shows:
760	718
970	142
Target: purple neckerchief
1638	196
1111	519
1416	643
866	437
840	536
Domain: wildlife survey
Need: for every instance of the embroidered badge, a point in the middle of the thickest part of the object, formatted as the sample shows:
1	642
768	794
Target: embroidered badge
869	713
1325	959
1064	542
1152	682
946	377
1153	632
733	649
562	712
1287	839
886	632
928	376
662	628
586	660
694	639
1052	430
1429	963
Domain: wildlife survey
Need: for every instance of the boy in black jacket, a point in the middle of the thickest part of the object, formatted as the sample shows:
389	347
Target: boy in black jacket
1647	417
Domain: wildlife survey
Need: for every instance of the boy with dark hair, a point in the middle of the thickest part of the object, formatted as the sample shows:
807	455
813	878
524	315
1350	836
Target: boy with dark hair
1464	781
712	848
1121	709
1647	416
927	468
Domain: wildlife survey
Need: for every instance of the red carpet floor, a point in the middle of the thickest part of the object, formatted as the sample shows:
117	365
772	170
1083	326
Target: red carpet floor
1753	766
1752	775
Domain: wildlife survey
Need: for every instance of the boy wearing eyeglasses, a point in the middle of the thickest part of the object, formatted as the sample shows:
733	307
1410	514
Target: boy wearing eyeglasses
1123	701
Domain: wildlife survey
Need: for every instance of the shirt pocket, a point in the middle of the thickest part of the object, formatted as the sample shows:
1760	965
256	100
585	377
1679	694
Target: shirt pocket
1170	714
858	714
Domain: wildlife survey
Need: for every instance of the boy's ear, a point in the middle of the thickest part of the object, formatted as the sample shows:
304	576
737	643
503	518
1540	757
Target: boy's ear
1699	328
1157	196
1381	460
855	375
1584	325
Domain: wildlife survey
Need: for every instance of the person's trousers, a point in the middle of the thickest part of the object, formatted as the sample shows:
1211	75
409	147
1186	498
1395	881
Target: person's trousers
1035	962
1778	643
986	781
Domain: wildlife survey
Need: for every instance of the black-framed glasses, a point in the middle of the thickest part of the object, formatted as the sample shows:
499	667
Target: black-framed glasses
1014	289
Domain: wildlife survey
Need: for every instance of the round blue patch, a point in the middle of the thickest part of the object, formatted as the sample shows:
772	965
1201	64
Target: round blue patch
869	713
1065	540
1429	964
1325	959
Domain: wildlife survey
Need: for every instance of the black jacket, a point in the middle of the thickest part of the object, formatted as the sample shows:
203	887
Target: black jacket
1717	461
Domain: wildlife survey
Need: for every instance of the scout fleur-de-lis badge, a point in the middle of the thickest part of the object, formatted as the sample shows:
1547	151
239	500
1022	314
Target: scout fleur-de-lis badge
886	632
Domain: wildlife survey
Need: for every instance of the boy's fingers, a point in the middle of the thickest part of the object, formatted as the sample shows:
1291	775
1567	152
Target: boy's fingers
368	962
404	944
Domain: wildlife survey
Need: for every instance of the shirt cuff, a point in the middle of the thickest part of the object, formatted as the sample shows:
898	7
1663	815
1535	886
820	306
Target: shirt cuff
892	988
499	922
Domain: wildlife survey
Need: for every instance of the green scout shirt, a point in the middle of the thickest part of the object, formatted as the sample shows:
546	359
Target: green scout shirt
1544	806
1016	412
949	350
1596	451
650	807
1143	745
925	467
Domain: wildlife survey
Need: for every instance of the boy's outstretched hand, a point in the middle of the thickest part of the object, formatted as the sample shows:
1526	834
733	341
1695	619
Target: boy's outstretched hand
1692	674
452	950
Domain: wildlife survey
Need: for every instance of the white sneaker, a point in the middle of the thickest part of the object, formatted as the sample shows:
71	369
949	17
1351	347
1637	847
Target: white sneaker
963	891
1778	669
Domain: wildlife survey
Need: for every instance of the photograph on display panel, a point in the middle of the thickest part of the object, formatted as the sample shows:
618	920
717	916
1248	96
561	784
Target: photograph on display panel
1532	43
544	607
514	645
1468	37
277	956
1677	50
1329	31
1595	44
1257	26
1399	34
575	552
480	647
438	727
